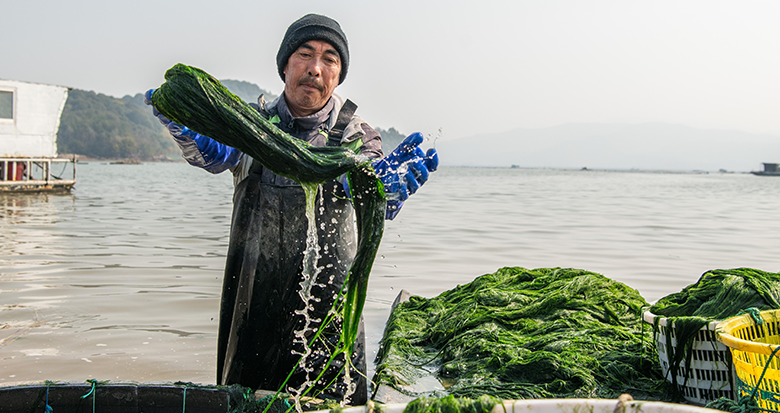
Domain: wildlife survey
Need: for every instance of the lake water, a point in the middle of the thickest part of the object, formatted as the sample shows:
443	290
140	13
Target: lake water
120	280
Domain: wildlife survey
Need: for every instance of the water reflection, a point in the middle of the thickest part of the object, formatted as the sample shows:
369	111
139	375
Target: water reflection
26	222
147	328
33	208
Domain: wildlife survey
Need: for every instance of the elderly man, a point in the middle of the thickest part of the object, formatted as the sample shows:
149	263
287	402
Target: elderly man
262	332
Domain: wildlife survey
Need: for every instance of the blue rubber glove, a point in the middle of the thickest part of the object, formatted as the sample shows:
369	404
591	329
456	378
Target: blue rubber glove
404	171
176	130
214	156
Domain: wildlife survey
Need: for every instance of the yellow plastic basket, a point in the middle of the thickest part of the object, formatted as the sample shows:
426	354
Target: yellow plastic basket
751	347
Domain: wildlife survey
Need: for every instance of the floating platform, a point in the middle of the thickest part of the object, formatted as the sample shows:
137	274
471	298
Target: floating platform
33	175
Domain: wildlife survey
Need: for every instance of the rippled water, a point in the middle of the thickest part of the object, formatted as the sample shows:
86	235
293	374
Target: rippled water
120	280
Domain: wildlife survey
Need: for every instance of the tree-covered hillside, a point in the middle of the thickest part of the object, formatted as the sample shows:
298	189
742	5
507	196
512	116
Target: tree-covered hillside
101	126
390	139
248	92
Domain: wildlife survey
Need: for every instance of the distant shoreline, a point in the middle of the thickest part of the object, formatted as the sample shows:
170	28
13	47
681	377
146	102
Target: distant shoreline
85	158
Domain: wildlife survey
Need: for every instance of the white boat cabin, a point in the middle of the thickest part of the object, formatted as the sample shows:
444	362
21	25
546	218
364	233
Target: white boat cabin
29	121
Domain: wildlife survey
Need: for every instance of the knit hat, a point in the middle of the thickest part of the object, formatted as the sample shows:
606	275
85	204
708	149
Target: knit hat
313	27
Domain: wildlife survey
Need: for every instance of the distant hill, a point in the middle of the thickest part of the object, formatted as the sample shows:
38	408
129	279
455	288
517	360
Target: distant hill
248	92
651	146
100	126
390	139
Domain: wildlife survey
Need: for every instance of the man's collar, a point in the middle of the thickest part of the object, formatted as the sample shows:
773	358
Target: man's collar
272	107
305	122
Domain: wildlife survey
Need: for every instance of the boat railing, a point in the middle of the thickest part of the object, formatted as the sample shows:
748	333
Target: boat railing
20	173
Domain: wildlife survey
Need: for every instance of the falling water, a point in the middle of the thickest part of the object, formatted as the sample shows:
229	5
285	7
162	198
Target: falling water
311	255
310	272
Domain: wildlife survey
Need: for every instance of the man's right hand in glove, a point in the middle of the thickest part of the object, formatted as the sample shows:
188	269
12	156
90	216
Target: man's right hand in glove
197	149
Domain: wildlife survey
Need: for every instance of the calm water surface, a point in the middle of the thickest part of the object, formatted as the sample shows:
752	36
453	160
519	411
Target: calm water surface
120	280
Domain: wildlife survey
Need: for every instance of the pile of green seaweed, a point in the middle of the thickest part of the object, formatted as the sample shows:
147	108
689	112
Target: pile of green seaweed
452	404
522	333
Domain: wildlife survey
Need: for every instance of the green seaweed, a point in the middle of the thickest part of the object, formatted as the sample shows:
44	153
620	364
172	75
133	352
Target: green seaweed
520	333
193	98
720	294
452	404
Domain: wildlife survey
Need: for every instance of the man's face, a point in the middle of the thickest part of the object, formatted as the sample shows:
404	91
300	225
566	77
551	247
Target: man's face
311	76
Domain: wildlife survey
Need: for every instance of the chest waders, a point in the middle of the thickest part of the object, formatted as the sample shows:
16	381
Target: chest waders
261	283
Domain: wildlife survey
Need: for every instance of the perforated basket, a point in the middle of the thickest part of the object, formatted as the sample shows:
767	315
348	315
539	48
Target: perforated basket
751	346
710	374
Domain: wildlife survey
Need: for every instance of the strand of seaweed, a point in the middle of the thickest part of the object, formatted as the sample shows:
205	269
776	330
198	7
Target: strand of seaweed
22	331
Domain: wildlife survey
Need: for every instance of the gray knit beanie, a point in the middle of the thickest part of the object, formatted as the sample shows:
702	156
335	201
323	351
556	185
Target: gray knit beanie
313	27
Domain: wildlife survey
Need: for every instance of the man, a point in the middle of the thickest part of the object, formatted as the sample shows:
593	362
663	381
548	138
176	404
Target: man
262	332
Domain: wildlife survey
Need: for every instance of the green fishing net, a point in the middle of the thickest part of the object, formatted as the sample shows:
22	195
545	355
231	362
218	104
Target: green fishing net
521	333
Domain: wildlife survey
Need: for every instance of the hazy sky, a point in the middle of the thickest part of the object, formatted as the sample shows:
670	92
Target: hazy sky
464	67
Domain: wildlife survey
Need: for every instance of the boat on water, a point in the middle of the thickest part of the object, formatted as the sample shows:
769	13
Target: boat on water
770	169
29	121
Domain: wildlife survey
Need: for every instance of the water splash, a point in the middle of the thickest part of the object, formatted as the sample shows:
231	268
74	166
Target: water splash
311	255
310	273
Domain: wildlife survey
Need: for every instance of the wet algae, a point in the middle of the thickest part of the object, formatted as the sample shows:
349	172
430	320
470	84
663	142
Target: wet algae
720	294
452	404
522	333
194	98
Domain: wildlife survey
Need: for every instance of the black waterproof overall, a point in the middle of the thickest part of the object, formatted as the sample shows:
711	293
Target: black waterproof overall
260	292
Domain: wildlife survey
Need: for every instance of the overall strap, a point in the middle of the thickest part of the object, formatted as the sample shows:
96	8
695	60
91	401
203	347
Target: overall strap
345	115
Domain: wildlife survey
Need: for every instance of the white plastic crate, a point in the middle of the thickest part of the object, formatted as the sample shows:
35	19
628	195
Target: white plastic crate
708	377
